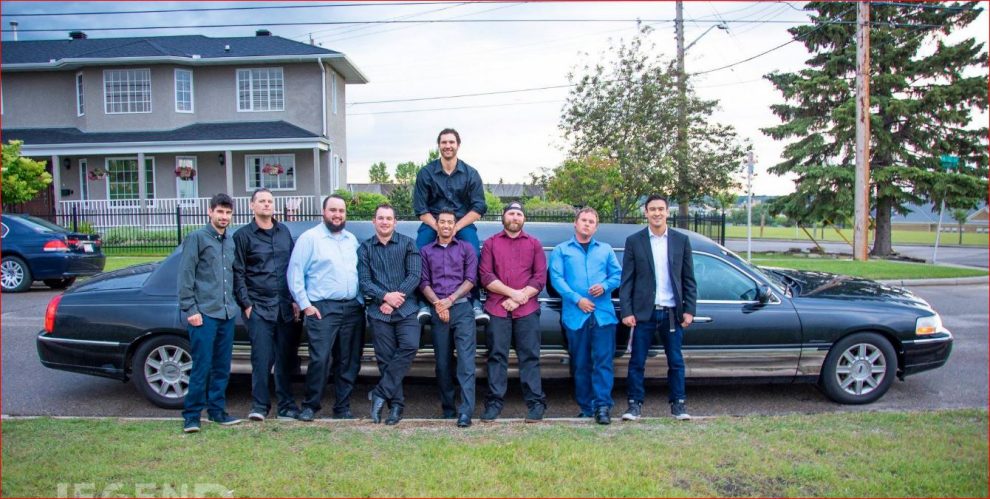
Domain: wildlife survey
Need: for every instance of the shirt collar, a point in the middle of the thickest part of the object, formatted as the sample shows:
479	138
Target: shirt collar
453	242
327	233
212	231
459	167
575	242
662	236
522	234
255	227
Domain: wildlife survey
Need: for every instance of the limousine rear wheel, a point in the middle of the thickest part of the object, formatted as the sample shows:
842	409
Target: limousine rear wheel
161	369
859	369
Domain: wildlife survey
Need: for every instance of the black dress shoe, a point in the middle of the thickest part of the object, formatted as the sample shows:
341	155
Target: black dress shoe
602	416
343	415
377	403
463	421
394	415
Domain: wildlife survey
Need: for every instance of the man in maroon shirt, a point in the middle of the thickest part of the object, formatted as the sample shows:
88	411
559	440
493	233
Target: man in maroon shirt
513	269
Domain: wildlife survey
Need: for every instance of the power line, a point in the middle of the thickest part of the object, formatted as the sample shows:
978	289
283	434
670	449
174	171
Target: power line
221	9
479	94
479	106
417	21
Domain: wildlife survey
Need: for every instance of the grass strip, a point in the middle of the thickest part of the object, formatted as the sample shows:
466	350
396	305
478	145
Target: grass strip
871	269
830	235
854	454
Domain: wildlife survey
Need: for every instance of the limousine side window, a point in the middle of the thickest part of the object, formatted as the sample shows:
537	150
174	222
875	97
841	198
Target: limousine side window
719	281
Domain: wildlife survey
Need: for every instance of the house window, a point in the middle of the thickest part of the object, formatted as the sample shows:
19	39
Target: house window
274	171
260	89
122	179
127	91
84	179
183	91
80	105
186	185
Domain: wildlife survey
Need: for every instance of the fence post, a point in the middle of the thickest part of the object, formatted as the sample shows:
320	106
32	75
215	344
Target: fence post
721	234
75	220
178	225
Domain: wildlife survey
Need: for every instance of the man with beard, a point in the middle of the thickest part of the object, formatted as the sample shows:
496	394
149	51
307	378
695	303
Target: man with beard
323	280
513	269
206	299
262	251
448	183
389	268
450	268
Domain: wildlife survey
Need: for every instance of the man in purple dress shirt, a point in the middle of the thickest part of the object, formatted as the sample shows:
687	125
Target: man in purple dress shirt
449	270
513	269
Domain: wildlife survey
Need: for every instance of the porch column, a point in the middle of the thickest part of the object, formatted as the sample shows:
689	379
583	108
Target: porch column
228	163
142	181
56	181
316	176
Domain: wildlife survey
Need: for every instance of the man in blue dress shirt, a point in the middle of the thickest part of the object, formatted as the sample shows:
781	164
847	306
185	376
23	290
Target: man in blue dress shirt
323	279
585	271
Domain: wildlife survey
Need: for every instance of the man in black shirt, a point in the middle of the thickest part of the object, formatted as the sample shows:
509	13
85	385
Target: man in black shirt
262	251
448	183
389	272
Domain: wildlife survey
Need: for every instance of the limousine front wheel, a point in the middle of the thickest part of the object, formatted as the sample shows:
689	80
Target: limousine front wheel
161	369
859	369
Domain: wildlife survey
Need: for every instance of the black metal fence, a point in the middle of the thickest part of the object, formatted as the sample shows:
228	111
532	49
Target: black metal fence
150	231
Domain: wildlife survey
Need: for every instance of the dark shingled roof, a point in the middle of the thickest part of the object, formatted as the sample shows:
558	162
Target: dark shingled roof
202	131
42	51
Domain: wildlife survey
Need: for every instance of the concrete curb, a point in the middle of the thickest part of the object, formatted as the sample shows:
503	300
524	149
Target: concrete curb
952	281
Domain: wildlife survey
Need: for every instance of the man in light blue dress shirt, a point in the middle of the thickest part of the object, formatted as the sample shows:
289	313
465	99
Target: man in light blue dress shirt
585	271
323	280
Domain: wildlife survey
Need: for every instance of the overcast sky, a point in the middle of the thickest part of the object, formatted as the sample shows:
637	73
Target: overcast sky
508	135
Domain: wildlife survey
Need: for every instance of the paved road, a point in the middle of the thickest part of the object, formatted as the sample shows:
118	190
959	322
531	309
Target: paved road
30	389
956	255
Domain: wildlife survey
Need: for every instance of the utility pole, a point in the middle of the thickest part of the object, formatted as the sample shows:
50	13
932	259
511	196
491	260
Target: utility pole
749	205
680	151
861	196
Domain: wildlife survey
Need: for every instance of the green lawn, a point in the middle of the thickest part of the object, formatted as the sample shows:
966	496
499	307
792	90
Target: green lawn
871	269
119	262
898	236
855	454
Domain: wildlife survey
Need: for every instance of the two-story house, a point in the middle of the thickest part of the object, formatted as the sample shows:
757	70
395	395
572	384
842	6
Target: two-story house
166	122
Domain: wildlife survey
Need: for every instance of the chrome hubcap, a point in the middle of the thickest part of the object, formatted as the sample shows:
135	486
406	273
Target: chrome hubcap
167	371
13	274
861	369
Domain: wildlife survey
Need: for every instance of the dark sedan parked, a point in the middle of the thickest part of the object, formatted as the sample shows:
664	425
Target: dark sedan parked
851	336
38	250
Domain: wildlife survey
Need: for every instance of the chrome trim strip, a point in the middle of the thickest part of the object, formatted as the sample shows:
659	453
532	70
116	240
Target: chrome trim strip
923	341
79	342
703	320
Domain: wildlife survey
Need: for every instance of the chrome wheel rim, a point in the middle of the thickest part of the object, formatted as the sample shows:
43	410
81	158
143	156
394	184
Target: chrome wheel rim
166	370
12	274
861	369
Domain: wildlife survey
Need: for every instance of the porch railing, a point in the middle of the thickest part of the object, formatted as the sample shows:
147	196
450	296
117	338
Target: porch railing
102	214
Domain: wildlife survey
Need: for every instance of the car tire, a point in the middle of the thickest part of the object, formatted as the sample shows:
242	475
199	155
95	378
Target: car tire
859	369
60	283
160	370
16	275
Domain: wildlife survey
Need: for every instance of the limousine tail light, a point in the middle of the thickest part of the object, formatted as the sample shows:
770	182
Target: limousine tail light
50	313
928	325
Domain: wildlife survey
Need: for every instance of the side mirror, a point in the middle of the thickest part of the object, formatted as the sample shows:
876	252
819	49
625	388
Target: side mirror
763	294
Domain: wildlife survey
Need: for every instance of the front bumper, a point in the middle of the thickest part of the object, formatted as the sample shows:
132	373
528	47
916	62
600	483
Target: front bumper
924	354
97	358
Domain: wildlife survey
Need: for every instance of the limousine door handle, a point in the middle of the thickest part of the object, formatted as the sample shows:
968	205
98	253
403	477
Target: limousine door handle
703	319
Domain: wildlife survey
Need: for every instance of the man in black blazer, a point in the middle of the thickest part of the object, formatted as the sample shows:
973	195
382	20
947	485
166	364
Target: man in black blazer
657	294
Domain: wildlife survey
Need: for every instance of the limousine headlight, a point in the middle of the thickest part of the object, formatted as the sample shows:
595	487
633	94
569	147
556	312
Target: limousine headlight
928	325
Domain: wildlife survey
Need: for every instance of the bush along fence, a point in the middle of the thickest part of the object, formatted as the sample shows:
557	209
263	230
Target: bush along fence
151	231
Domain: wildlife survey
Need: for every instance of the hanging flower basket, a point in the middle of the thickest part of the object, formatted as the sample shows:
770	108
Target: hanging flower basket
185	172
96	174
273	169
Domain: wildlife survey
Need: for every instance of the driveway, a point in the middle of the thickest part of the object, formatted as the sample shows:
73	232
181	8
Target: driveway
31	389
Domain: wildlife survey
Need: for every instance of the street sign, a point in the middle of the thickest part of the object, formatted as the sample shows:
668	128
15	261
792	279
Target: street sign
949	162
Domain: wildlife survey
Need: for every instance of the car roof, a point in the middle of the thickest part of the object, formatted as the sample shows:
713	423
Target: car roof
550	234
